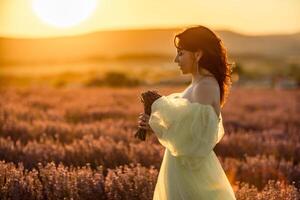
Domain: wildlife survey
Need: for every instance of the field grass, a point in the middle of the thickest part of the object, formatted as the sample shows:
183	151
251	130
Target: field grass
78	143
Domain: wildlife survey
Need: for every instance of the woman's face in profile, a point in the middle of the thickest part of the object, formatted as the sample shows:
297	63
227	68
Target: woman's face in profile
185	60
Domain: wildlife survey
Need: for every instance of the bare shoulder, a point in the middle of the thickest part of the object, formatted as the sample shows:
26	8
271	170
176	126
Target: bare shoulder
207	91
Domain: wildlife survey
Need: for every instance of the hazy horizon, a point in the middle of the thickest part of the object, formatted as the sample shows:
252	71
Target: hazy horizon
144	29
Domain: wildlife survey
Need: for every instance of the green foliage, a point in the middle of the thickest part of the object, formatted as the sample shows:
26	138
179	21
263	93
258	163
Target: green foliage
114	79
293	70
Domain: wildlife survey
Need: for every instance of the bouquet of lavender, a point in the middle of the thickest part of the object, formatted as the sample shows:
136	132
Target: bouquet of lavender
147	98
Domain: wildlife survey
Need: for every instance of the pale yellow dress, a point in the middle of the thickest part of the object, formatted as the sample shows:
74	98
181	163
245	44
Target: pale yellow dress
190	169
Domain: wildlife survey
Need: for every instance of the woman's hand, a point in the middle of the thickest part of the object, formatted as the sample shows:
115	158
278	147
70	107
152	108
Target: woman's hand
144	122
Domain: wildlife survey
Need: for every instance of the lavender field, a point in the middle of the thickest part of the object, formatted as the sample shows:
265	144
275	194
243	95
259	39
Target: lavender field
78	143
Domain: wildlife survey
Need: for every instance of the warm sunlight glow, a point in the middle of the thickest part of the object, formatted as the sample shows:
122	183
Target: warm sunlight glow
63	13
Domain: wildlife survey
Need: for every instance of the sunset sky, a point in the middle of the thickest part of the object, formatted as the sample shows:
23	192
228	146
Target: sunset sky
19	18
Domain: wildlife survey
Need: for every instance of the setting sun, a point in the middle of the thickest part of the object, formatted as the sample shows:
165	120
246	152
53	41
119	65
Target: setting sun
63	13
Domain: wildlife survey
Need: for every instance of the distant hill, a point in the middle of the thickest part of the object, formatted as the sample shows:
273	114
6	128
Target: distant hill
266	45
128	44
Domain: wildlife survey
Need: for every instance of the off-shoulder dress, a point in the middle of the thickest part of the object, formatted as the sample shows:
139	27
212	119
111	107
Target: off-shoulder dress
190	169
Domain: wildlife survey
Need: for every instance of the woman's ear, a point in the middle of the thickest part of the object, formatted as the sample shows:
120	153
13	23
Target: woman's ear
198	55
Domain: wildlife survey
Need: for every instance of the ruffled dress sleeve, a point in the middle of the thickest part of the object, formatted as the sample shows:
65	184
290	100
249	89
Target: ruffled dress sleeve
185	128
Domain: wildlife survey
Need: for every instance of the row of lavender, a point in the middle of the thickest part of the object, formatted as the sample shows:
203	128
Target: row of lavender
283	144
104	151
122	183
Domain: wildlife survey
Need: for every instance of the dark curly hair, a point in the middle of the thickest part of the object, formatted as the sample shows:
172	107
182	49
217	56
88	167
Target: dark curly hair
214	58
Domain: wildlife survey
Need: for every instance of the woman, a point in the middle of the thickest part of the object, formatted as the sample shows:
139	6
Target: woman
189	124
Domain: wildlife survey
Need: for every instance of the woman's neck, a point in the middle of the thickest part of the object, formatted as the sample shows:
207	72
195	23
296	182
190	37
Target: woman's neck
199	76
